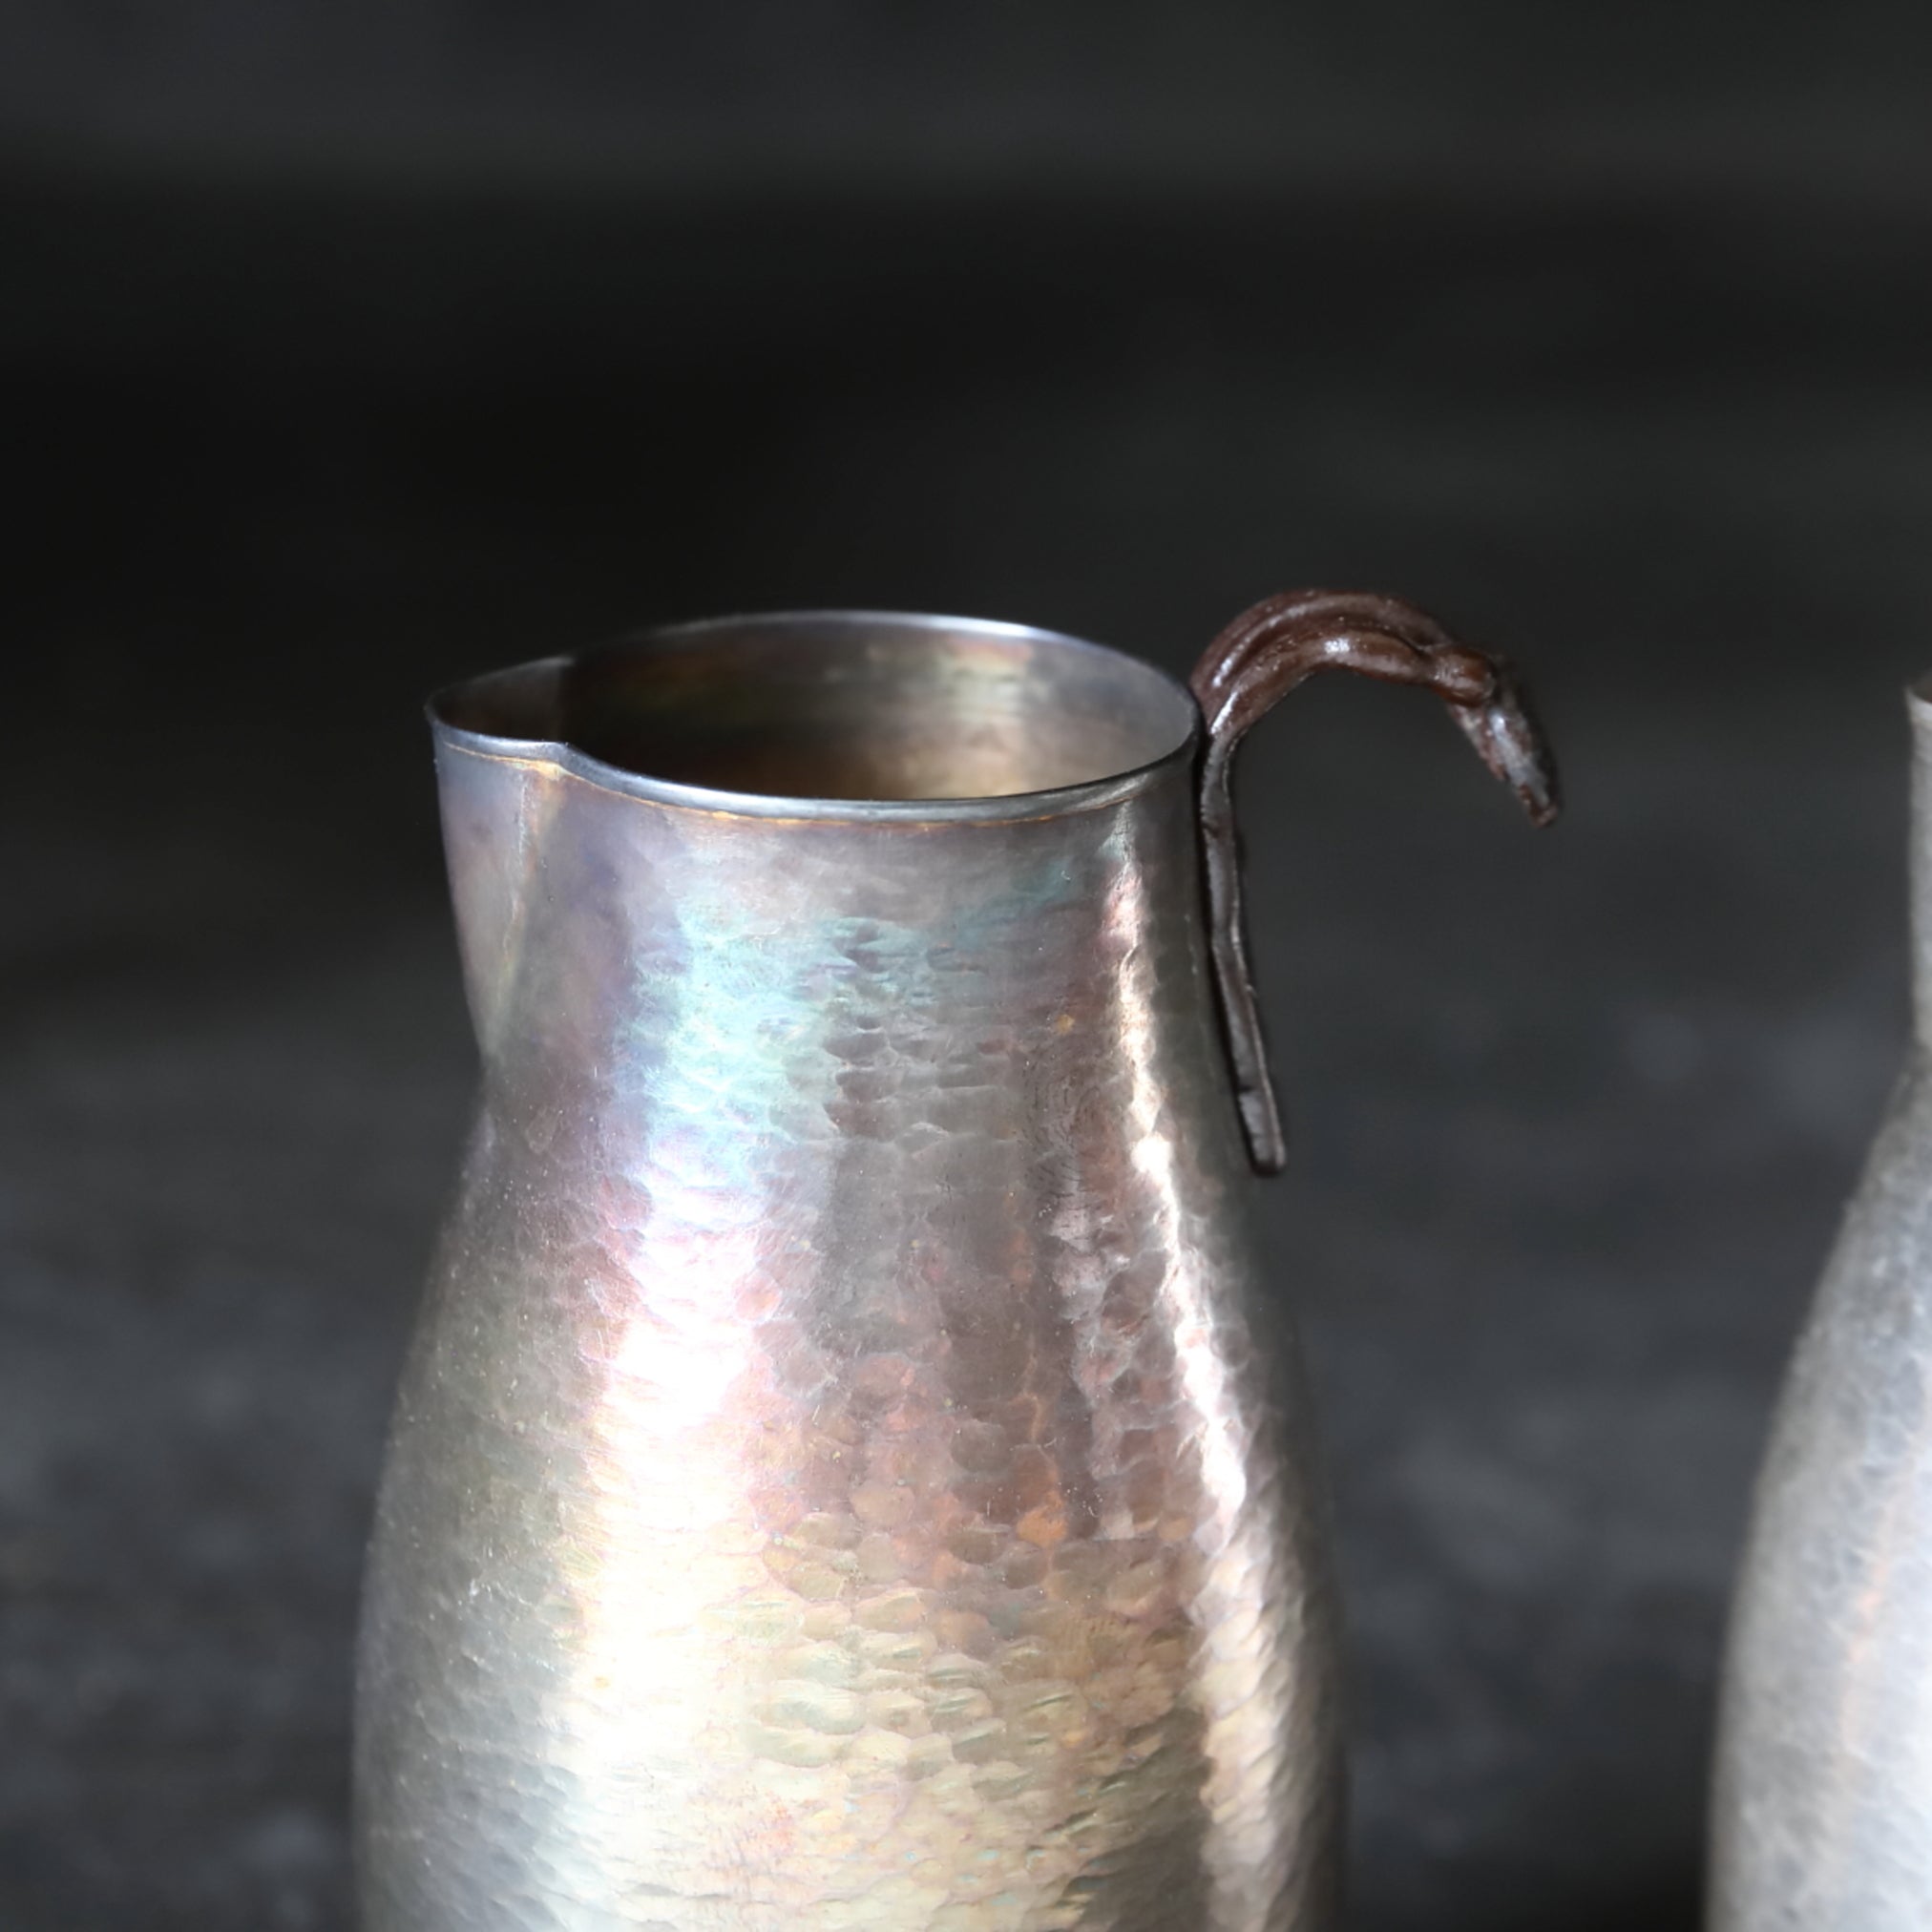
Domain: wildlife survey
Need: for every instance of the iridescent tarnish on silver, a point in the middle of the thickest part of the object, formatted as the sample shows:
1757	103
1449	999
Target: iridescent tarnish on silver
838	1481
1823	1802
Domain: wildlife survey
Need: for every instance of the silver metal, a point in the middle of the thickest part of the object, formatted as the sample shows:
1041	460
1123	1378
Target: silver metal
1822	1816
839	1479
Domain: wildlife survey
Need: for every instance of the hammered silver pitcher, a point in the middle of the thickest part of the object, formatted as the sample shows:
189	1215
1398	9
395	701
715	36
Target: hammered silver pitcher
1823	1820
840	1478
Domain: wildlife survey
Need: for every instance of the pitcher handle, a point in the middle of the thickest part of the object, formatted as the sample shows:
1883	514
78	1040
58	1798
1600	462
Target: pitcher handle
1261	657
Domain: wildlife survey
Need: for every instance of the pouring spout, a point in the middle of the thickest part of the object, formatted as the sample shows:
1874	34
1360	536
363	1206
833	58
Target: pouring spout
496	815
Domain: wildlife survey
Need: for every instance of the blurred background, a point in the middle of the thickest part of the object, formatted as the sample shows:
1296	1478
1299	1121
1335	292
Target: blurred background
349	347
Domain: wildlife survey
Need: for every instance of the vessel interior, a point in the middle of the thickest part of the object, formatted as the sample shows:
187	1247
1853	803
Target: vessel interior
844	708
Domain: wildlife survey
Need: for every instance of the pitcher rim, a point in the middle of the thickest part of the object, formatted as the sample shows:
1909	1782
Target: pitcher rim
997	808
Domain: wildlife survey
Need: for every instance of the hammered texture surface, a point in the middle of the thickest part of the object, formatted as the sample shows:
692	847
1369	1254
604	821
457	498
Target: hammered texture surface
838	1481
1824	1780
1823	1789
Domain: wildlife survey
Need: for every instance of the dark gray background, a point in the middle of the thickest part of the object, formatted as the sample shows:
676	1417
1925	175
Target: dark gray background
349	347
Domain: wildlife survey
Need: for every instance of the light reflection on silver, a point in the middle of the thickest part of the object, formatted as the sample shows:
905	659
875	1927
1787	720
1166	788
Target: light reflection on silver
1822	1811
839	1482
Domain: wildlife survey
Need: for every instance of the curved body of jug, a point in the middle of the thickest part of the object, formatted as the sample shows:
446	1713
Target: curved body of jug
1822	1818
837	1482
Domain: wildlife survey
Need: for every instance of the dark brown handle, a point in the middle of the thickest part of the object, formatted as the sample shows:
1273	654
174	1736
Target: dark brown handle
1255	663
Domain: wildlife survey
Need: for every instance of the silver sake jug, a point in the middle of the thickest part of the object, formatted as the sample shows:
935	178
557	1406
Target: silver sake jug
839	1479
1822	1811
